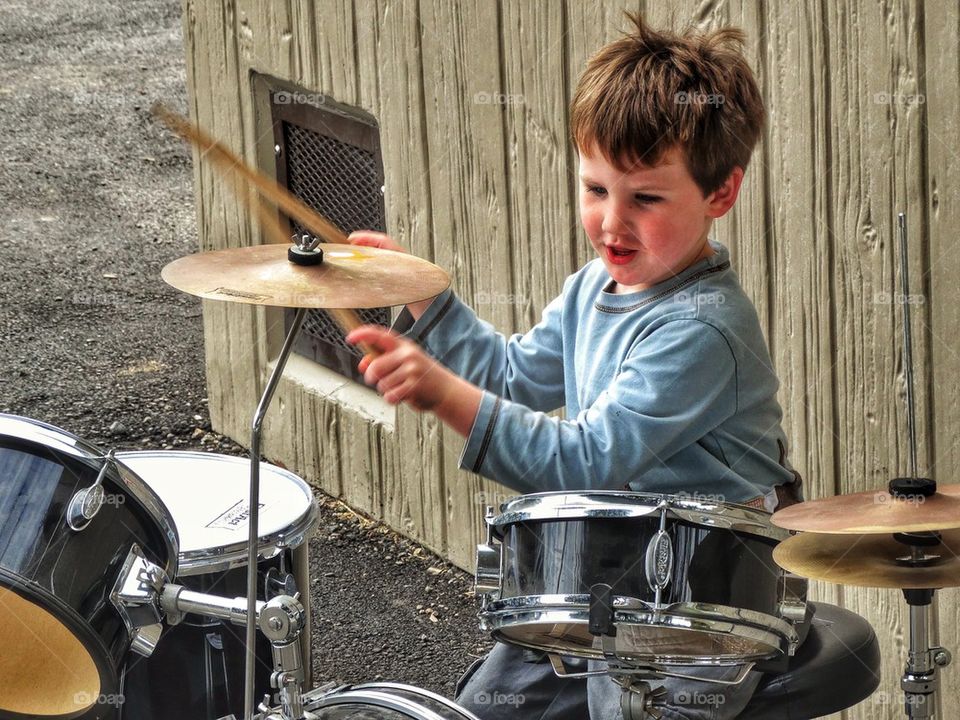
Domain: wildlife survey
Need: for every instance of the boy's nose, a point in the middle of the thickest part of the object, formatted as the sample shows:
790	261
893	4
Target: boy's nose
613	222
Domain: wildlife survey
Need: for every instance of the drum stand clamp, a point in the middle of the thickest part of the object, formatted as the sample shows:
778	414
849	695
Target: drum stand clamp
281	619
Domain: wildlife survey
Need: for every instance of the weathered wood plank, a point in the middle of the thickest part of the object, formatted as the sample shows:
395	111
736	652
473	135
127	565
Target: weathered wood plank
462	67
415	496
875	169
940	86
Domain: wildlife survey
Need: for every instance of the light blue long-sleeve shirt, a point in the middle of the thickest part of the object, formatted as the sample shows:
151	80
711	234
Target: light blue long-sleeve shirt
667	390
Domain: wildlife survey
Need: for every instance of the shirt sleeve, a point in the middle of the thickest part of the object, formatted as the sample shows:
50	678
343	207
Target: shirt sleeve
526	369
676	385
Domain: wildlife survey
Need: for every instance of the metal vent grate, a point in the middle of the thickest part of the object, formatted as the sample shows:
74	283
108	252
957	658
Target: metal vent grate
332	162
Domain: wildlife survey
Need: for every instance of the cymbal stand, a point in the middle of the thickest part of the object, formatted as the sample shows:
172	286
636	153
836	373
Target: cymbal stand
920	681
253	537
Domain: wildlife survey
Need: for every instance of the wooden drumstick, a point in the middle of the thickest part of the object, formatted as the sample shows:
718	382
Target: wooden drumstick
230	163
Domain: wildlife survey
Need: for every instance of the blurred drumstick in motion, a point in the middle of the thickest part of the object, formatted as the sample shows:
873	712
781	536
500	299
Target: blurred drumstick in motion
232	165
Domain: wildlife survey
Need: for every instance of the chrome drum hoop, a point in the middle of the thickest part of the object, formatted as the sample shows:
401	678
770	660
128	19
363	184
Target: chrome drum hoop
405	700
519	612
564	505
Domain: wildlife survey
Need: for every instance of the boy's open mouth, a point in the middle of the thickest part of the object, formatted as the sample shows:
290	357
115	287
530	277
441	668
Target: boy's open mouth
618	256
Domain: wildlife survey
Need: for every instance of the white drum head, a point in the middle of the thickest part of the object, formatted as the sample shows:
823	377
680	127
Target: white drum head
208	496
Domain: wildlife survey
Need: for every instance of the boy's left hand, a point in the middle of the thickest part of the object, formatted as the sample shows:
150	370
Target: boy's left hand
403	372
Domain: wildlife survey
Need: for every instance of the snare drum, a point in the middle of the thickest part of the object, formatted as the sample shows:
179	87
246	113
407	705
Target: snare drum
62	637
690	582
197	670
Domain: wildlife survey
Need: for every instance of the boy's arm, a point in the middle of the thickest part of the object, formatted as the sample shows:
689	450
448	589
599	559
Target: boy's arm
524	368
675	387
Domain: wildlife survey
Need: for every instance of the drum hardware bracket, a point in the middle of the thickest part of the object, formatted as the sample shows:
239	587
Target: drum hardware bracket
601	613
135	596
639	702
176	601
281	620
621	670
86	503
792	603
279	581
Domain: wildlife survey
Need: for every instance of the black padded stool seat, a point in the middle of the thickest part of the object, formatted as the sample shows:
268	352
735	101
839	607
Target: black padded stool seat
837	666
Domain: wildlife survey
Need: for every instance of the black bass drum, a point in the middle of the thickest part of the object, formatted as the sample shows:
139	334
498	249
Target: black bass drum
62	638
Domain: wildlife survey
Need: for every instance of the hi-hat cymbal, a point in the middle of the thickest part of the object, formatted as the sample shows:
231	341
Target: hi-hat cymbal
869	560
874	512
350	276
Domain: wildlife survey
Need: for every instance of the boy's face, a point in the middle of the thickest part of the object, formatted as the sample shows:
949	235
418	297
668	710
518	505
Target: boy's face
650	223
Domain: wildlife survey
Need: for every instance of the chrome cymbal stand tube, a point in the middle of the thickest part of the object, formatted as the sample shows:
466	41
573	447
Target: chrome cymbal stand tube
253	538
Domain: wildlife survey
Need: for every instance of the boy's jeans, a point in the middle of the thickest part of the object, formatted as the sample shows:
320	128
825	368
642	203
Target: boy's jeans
502	686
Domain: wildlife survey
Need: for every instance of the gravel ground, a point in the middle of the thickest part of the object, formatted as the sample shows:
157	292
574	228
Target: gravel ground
96	199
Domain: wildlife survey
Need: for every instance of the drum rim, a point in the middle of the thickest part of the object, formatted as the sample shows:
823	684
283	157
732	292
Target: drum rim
62	441
525	610
375	695
564	505
227	557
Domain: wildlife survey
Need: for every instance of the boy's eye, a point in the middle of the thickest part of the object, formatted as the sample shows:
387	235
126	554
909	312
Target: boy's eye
596	190
646	199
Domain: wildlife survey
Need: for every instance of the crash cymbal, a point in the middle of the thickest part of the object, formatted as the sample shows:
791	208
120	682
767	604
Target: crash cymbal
870	560
874	512
350	276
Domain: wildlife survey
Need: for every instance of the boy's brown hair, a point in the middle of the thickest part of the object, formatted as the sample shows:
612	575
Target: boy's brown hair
651	90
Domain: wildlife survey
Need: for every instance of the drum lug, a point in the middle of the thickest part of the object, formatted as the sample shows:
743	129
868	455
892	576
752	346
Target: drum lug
86	503
487	584
145	639
136	595
792	600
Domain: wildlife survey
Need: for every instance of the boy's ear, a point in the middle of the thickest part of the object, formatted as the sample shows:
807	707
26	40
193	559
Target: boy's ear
723	198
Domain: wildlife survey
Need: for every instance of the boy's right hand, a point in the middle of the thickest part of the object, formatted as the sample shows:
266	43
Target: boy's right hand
371	238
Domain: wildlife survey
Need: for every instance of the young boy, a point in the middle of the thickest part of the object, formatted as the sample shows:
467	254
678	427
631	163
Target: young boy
653	348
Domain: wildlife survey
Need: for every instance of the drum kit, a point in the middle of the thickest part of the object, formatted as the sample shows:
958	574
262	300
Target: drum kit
121	595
